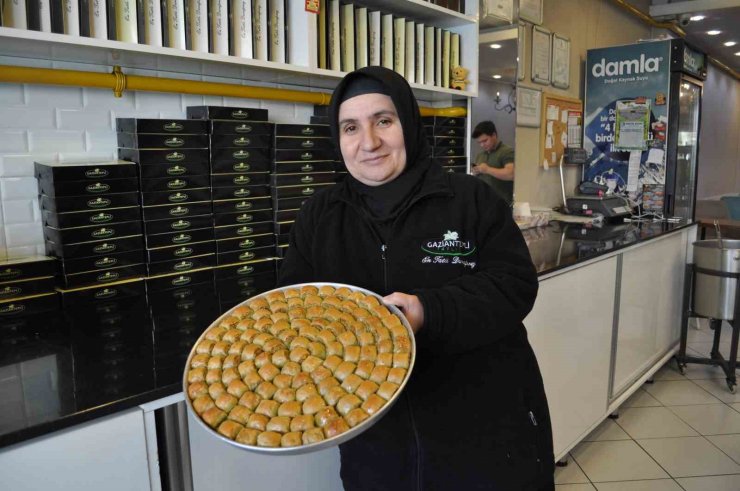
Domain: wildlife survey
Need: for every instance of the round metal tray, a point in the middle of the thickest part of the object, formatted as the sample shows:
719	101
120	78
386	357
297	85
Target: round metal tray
330	442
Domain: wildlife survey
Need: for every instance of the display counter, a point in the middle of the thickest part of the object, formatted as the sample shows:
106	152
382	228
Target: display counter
604	319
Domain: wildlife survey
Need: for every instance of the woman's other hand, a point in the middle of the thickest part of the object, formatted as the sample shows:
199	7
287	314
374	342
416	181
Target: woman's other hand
411	307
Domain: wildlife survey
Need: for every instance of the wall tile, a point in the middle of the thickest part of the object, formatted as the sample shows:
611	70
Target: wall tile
25	251
85	119
18	211
21	235
162	101
55	140
99	141
27	62
108	154
13	141
11	94
280	112
18	188
105	99
22	165
22	117
53	96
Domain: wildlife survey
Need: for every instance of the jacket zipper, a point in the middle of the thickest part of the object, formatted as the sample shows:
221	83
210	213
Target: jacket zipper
384	248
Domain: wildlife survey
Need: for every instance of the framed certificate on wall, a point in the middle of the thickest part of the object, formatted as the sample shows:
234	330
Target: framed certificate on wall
531	10
528	106
560	61
541	55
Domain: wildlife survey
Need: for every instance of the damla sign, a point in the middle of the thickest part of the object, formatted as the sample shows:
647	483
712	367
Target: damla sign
634	66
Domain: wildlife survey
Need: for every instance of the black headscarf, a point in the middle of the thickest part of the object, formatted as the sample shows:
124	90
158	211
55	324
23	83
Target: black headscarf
384	202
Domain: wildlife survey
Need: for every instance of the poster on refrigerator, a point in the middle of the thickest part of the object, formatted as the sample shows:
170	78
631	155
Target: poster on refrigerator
626	117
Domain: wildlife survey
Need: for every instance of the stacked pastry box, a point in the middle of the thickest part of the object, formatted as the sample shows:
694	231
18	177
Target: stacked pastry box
92	223
240	148
27	286
304	163
173	161
447	138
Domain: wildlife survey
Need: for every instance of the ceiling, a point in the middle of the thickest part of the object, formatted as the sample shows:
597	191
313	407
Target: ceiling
721	15
501	61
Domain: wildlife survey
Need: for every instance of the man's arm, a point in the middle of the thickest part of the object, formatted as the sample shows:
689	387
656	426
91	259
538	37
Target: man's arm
506	173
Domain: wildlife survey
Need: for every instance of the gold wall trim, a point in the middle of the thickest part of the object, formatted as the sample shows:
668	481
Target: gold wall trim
119	82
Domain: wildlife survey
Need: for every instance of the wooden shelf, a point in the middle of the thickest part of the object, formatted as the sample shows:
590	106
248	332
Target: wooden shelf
103	54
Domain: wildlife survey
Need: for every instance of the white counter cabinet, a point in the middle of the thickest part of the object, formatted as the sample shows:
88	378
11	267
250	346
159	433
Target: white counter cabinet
108	454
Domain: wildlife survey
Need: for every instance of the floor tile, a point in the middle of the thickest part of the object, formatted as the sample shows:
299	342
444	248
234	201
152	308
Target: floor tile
570	474
680	392
712	483
616	461
704	335
640	399
705	349
729	444
652	485
709	419
718	388
654	422
736	406
574	487
689	456
693	371
608	430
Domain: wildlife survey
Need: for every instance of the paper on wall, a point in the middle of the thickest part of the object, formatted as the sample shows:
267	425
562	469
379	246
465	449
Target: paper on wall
655	156
548	141
633	174
552	112
564	117
549	127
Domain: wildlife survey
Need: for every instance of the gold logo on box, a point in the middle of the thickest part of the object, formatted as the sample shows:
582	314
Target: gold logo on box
183	252
177	184
243	128
306	156
307	131
174	142
106	293
98	203
179	211
108	276
307	167
179	239
307	179
242	142
180	225
241	166
244	205
176	170
239	114
245	269
245	256
183	266
241	180
101	218
178	197
240	154
10	290
246	243
244	218
307	143
12	308
175	157
242	193
103	233
181	281
103	248
105	262
173	126
96	173
244	230
307	191
9	273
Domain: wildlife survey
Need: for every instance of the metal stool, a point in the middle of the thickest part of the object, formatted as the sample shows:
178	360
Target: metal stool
711	291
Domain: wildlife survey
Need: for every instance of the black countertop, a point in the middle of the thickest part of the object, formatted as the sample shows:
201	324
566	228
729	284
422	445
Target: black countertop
62	368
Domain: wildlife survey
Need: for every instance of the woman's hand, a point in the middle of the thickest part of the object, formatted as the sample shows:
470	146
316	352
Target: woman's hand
411	307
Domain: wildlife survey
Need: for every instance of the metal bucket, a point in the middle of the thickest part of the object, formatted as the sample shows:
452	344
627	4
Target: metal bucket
714	296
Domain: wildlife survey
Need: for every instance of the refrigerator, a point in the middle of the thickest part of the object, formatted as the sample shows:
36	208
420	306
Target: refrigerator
642	112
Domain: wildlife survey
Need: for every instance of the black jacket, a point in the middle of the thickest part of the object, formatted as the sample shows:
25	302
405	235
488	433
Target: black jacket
474	414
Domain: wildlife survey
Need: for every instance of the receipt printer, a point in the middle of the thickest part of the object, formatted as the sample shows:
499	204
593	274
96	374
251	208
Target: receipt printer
608	206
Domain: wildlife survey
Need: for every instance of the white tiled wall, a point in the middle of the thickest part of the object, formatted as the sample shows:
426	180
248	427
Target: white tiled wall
40	122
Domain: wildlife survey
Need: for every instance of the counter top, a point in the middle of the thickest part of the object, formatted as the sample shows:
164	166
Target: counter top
60	369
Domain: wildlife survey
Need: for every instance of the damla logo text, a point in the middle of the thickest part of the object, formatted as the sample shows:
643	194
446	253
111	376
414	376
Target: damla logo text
450	249
626	67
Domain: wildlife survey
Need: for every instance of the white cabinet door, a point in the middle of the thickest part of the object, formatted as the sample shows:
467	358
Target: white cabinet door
651	293
107	454
218	465
570	329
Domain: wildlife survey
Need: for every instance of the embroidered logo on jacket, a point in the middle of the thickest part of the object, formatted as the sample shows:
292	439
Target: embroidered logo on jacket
450	249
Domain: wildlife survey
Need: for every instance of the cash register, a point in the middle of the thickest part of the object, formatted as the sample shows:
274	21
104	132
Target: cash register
593	198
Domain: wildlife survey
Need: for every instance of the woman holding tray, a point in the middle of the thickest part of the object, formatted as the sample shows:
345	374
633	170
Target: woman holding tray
444	248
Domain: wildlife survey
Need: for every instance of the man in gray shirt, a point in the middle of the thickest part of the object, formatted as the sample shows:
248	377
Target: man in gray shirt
495	164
